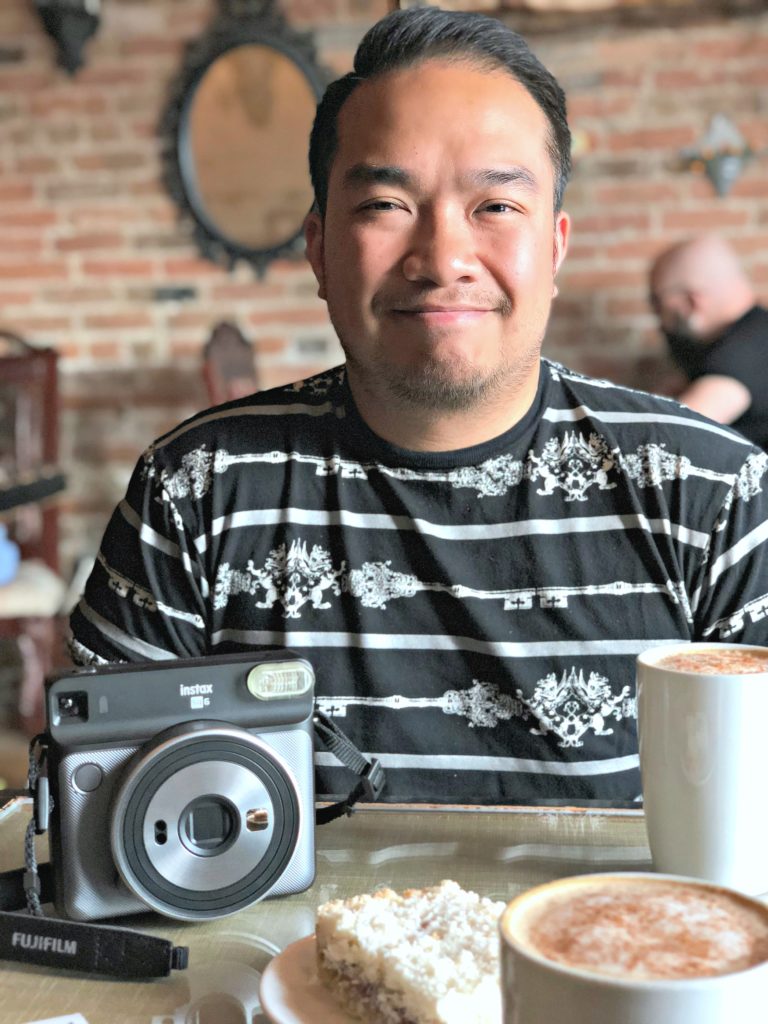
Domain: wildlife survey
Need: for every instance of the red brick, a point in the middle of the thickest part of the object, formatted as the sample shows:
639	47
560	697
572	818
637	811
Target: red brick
191	318
665	139
754	76
289	316
38	269
140	46
583	105
251	290
121	74
722	49
679	78
111	161
117	321
23	243
709	219
622	307
36	165
80	103
191	268
265	346
83	243
106	351
586	280
76	295
119	268
16	298
606	222
638	192
40	324
11	192
632	249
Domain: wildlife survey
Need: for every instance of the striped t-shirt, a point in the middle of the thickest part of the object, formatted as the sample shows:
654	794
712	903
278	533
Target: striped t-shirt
472	616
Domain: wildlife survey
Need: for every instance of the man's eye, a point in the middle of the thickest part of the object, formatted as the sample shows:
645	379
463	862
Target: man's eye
381	204
498	206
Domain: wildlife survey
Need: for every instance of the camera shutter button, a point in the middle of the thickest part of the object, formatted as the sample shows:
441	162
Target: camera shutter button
87	777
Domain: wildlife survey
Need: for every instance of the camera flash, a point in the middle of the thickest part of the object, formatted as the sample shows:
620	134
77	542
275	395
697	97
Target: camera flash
281	679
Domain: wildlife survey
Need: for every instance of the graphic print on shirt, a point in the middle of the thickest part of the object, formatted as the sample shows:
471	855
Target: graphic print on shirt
569	707
572	464
298	575
572	706
726	629
293	576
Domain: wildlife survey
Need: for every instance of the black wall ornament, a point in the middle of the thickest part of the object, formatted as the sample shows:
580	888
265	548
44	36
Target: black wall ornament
236	132
70	23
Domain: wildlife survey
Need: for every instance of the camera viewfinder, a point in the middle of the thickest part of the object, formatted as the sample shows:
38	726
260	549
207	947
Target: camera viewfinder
72	707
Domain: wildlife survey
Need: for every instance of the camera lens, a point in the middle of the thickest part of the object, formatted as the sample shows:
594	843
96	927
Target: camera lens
208	826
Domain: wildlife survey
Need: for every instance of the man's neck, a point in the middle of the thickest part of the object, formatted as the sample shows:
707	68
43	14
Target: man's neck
428	430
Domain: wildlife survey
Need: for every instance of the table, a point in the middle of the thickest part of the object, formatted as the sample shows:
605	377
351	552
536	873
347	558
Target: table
497	852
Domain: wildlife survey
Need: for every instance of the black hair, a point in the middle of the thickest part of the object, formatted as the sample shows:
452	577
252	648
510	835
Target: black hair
406	38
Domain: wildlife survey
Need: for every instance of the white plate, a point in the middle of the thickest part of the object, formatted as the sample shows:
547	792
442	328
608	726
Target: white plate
292	993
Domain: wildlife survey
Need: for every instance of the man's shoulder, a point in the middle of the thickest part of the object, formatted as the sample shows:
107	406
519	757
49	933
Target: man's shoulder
639	416
267	412
600	394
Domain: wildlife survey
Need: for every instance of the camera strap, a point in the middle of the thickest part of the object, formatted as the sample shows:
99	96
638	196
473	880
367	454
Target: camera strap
68	945
370	784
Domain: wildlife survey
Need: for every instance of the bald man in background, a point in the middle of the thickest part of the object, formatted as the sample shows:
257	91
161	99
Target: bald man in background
716	332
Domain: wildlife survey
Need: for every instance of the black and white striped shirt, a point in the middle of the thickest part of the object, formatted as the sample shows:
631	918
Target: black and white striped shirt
473	616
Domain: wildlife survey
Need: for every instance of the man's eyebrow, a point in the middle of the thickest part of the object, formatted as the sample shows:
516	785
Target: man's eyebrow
378	174
391	174
516	175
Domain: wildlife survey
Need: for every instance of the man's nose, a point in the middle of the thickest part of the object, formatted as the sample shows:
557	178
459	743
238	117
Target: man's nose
441	249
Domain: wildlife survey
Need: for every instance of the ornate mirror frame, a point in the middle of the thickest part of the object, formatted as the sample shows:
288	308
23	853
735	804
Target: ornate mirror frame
237	23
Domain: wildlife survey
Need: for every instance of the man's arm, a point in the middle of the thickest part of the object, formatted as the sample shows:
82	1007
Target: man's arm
147	597
721	398
730	596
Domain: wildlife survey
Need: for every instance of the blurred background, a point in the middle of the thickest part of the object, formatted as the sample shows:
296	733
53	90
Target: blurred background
153	181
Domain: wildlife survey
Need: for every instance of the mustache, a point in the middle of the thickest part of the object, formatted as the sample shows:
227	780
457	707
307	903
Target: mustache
413	301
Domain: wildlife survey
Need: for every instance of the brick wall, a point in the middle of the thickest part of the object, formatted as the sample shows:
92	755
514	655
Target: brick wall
90	235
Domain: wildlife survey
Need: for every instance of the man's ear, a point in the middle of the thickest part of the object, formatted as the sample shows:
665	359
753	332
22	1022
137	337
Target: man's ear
313	236
559	245
562	234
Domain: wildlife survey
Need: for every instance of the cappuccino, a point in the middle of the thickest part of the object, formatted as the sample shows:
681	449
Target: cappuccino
717	661
640	929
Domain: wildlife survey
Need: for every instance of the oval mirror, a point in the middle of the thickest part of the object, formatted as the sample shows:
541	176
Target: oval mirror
237	133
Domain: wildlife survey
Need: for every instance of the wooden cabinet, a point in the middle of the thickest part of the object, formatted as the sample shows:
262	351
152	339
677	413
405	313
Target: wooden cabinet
30	479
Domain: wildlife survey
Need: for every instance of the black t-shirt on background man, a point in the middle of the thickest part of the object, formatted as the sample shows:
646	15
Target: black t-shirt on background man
741	353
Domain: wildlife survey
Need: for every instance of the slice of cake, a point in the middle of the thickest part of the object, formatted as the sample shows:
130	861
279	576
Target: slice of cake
424	956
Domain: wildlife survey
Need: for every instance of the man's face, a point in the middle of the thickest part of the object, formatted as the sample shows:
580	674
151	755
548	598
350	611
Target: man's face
439	246
671	302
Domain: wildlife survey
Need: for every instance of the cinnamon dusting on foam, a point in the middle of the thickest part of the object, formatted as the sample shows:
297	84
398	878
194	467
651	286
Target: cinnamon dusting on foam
716	662
645	930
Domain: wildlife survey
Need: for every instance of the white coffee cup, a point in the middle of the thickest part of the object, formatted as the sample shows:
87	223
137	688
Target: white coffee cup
704	766
607	977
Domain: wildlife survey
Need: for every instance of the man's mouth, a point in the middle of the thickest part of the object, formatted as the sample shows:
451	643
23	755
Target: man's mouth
443	315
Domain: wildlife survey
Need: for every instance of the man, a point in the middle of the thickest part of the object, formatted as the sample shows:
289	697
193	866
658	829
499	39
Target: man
716	332
471	544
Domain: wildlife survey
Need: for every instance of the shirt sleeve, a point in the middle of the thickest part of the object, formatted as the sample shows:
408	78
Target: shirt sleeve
736	357
146	597
730	602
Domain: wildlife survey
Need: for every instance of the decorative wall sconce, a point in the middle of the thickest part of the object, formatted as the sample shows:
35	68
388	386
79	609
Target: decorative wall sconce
70	23
721	154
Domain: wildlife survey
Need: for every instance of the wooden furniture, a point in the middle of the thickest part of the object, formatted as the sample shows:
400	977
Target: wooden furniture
30	478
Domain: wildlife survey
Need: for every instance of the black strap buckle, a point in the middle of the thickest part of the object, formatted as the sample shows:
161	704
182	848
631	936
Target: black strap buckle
372	781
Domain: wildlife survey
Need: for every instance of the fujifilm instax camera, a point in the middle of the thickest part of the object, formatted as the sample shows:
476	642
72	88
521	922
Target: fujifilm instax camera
185	787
